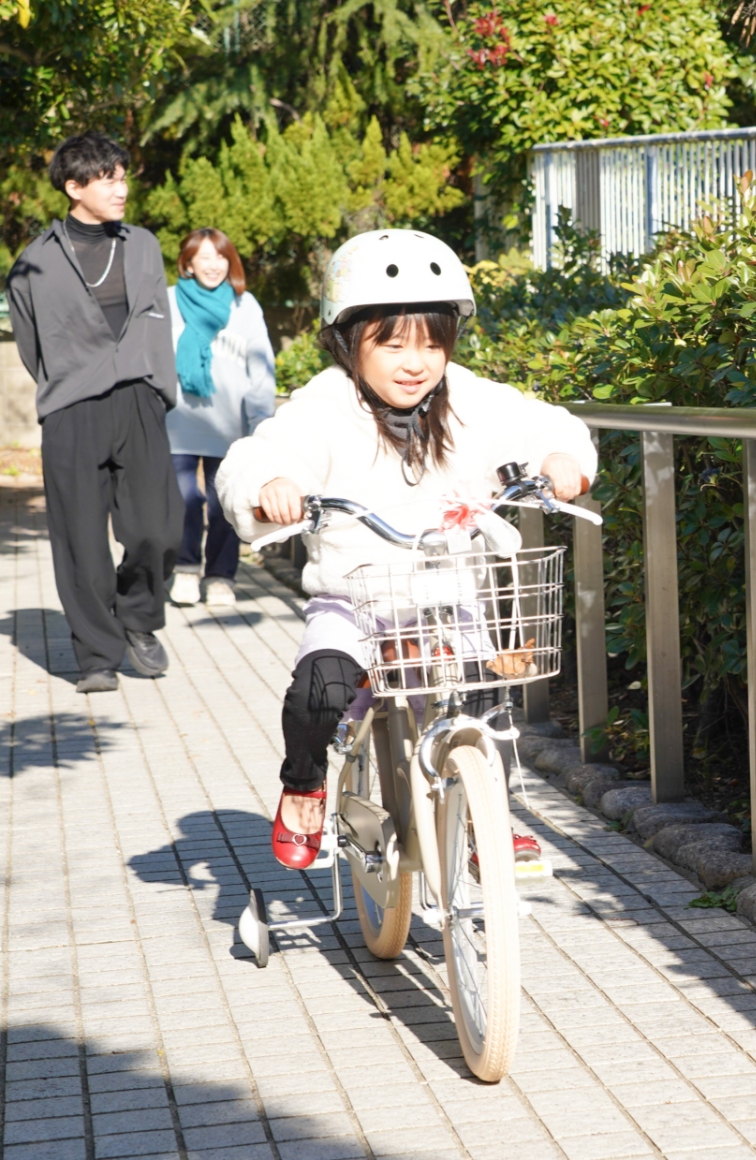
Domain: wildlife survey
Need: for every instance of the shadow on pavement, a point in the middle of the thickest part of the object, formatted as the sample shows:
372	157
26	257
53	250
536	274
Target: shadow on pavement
27	743
17	505
64	1099
229	851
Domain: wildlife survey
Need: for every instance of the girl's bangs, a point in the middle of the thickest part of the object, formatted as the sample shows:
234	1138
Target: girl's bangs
436	320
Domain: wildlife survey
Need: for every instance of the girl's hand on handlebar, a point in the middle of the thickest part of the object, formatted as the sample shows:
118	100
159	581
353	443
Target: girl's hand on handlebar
565	473
281	501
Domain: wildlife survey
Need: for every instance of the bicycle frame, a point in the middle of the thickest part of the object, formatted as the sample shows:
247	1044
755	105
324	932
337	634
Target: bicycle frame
380	842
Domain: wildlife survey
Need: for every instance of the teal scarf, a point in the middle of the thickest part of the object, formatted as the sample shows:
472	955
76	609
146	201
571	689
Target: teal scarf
205	312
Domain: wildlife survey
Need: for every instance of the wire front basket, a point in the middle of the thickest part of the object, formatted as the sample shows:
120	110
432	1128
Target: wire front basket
474	621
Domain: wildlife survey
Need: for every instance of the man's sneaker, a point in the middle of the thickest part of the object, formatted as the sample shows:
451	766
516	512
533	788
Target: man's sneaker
98	681
526	848
185	588
219	593
146	653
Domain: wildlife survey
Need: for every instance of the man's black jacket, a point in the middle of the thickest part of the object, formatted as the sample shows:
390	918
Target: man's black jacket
63	338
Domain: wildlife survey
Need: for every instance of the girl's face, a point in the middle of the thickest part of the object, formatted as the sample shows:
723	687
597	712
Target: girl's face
405	368
208	266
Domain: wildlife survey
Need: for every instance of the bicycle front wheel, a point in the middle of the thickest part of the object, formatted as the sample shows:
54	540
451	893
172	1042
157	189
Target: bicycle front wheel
481	934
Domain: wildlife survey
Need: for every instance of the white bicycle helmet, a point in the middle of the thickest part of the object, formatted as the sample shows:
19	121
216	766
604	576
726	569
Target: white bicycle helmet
388	267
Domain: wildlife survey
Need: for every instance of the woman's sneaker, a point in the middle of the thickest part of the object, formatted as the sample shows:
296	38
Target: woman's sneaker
219	593
185	588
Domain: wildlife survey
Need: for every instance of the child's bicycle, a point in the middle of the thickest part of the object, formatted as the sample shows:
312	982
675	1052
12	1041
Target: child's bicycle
424	791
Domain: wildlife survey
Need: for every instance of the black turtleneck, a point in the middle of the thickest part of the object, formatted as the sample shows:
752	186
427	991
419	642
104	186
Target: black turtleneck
93	245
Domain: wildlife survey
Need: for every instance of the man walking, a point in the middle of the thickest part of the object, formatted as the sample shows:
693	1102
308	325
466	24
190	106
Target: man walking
90	315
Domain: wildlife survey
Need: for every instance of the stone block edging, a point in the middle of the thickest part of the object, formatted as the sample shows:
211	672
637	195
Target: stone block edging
685	834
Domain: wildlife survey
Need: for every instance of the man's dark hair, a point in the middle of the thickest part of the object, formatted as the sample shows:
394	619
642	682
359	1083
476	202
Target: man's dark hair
85	158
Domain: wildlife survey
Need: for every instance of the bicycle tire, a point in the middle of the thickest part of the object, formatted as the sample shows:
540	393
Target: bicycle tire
385	931
483	964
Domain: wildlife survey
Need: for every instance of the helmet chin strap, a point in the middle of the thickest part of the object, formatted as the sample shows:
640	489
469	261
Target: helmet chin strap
415	431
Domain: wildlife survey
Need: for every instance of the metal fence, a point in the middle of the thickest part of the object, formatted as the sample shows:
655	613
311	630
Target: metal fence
631	188
657	426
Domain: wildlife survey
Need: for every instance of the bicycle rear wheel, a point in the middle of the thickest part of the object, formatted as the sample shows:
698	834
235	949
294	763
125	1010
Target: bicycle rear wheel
385	931
481	934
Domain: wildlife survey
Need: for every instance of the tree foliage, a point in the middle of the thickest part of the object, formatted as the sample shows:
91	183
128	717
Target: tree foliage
269	59
85	63
518	74
293	198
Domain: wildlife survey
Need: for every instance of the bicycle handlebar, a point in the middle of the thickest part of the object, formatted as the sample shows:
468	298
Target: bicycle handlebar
516	486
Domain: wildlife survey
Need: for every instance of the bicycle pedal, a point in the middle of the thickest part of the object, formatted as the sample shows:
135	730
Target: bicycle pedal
539	868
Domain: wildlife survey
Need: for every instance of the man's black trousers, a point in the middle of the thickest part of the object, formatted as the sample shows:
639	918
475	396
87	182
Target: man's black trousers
110	456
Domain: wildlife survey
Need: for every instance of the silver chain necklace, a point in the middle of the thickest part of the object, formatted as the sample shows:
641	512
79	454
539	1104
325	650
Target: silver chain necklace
99	282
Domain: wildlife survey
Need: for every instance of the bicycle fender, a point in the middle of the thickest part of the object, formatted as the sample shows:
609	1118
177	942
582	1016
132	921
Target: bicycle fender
425	821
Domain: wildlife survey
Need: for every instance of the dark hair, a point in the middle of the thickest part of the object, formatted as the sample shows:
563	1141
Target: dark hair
439	320
85	158
225	248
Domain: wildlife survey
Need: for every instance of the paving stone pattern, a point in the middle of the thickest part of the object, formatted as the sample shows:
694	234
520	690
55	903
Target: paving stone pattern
132	825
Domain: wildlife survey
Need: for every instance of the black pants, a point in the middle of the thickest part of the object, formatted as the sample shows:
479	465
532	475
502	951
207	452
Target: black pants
324	686
110	456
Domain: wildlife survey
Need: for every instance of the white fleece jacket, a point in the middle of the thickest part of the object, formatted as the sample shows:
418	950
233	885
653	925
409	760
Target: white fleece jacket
328	444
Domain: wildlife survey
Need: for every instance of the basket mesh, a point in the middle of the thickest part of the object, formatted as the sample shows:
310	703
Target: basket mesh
460	622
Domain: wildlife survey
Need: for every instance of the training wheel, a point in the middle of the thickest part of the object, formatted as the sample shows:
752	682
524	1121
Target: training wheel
253	928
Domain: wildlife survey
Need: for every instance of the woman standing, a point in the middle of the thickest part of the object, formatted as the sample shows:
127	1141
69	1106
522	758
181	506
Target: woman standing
226	379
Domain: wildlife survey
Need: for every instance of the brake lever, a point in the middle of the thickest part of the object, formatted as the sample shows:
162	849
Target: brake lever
545	493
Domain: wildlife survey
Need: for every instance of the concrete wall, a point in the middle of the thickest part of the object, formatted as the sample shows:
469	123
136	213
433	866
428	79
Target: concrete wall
18	415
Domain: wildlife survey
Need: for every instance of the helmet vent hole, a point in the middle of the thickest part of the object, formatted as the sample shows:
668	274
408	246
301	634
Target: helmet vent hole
435	267
392	270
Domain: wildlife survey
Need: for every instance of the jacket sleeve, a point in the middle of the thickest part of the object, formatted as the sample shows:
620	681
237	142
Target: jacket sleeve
22	316
165	379
543	429
259	399
286	445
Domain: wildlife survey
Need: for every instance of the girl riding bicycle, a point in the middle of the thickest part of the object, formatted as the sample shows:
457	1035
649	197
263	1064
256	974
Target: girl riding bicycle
400	428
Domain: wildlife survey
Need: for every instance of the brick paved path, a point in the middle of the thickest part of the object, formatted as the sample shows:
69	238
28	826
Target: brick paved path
131	826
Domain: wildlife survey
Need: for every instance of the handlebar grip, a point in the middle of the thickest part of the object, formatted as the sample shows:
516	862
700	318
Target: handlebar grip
260	516
584	485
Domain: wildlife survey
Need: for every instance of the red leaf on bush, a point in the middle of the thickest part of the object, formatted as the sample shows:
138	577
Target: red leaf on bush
708	80
479	56
551	19
499	53
643	8
487	25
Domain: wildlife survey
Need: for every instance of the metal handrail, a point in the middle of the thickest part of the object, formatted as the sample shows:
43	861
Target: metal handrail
714	422
657	426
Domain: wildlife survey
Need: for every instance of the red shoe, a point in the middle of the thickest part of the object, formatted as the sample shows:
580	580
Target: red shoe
526	849
297	851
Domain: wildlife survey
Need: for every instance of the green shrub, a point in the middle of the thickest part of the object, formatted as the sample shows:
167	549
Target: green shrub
286	202
303	358
680	329
517	74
